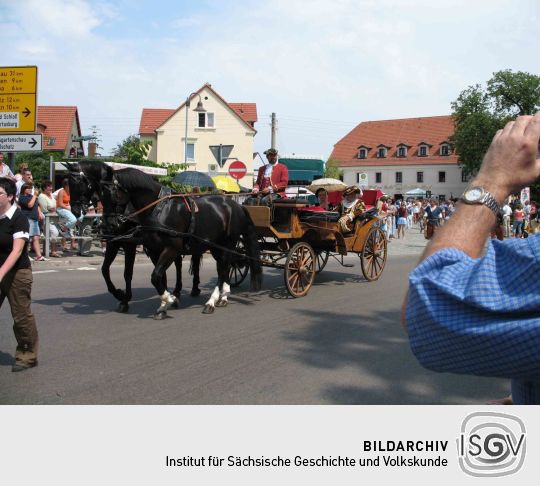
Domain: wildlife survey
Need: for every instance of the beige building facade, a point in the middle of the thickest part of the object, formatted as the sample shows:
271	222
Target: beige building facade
443	181
220	135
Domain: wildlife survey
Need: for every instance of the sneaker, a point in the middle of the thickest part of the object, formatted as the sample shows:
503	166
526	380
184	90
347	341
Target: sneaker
41	259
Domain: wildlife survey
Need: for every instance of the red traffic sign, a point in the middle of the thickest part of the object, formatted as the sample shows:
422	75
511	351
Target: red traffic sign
237	170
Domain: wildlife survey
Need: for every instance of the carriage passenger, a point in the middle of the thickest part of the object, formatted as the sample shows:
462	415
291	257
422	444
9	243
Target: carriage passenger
322	196
350	208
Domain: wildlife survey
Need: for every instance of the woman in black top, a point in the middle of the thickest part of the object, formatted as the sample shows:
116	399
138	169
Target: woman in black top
16	276
30	208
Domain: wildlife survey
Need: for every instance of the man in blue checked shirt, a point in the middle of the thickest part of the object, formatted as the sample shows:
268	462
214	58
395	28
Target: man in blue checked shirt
474	313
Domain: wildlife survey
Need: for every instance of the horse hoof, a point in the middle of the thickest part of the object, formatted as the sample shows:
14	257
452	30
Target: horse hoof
208	309
222	303
123	307
176	304
159	316
195	292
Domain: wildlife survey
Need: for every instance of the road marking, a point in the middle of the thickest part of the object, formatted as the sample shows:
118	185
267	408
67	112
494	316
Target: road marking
45	271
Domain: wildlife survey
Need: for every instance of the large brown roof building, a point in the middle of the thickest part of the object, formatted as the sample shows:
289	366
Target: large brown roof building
398	156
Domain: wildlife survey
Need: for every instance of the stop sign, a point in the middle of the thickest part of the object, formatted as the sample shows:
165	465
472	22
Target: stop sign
237	170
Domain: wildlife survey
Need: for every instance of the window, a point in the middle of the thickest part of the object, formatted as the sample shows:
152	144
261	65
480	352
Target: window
422	151
381	153
378	177
190	151
442	176
206	120
464	176
402	151
445	149
419	177
362	153
399	177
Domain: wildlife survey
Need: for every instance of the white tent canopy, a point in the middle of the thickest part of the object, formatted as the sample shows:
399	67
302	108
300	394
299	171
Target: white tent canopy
416	192
155	171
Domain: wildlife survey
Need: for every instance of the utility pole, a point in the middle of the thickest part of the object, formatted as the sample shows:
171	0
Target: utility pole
274	128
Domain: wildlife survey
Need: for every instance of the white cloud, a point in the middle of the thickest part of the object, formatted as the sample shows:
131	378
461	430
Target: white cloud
321	66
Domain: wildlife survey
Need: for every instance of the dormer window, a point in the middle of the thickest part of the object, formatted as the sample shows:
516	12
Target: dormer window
445	149
423	149
363	151
402	150
382	151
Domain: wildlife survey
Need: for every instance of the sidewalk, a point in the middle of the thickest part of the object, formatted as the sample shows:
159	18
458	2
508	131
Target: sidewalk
94	257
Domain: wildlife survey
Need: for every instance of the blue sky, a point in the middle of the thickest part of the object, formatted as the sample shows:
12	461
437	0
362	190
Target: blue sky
322	66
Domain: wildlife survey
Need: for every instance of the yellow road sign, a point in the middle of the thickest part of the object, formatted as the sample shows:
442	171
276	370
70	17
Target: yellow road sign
18	99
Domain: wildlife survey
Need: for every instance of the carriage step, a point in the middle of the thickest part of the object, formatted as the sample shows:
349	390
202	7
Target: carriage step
348	265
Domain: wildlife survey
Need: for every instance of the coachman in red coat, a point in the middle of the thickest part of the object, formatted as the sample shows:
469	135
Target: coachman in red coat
273	177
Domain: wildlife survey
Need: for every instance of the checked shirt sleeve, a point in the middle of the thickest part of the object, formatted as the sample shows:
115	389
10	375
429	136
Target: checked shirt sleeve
478	316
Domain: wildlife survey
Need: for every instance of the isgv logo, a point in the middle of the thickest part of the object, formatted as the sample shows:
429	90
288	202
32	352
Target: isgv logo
491	444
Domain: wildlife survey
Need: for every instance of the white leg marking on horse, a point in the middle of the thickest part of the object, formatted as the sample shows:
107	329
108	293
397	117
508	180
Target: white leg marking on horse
225	292
167	298
214	297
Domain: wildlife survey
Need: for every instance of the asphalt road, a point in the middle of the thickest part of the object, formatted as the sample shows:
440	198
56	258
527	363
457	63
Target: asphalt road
341	344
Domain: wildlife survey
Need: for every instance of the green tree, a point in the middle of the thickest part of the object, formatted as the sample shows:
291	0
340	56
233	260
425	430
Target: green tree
38	163
333	170
134	151
479	112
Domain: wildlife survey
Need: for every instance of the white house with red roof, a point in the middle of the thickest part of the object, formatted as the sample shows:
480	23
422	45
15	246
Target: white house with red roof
59	126
397	156
221	134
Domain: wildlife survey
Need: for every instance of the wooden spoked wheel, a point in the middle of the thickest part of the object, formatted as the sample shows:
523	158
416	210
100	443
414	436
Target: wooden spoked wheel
239	266
322	260
300	269
374	254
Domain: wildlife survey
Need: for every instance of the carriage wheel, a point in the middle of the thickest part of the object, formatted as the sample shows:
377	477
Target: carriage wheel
300	269
374	254
239	266
322	260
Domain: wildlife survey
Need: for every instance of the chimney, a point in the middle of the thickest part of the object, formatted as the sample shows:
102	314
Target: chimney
92	149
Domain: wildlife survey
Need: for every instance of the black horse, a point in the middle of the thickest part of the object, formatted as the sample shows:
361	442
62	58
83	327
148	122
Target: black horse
89	182
173	224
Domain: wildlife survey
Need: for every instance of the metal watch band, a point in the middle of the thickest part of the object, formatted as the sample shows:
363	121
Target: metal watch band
491	203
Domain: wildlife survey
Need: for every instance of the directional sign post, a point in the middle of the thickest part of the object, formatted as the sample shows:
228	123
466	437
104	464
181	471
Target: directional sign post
18	99
32	142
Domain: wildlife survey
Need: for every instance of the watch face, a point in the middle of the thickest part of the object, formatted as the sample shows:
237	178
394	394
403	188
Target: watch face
474	194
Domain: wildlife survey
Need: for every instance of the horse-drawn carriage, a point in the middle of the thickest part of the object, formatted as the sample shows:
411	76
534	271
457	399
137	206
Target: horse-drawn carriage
241	239
300	242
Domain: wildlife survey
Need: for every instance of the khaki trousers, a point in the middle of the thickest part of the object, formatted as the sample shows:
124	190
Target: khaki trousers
17	287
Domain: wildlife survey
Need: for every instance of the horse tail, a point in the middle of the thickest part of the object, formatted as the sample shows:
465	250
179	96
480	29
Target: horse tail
253	251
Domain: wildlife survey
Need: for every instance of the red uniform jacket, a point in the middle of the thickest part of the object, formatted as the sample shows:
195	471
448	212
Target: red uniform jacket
279	178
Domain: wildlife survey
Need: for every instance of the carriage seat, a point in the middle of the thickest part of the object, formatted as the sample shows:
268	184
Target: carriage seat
369	214
312	216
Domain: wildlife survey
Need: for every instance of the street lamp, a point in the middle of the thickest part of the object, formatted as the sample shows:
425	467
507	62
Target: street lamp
200	109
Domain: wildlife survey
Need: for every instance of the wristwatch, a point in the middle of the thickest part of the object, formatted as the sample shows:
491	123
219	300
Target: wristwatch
478	195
